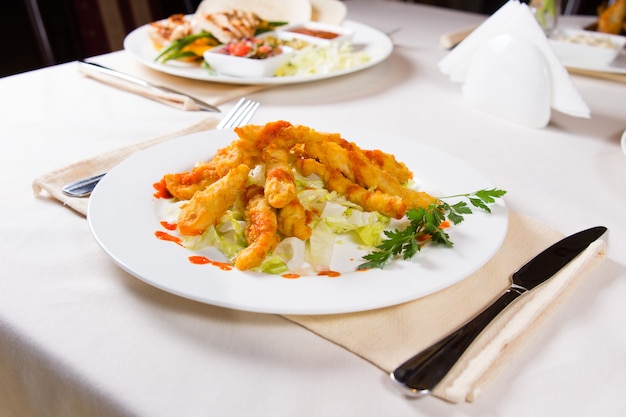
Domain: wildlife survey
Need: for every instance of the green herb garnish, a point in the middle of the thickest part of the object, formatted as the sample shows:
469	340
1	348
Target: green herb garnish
427	224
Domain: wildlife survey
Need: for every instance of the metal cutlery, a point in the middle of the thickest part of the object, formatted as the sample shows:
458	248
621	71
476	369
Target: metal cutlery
138	81
240	115
419	375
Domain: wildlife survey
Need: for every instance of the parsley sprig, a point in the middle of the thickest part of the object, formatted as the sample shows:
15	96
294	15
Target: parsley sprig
426	224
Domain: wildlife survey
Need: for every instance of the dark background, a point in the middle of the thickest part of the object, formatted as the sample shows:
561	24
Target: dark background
73	28
65	28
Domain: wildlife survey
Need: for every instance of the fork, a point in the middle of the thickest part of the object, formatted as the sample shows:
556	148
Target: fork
240	115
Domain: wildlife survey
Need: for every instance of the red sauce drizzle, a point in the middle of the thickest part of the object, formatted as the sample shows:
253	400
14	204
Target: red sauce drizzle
329	274
203	260
291	276
199	260
167	237
161	190
169	226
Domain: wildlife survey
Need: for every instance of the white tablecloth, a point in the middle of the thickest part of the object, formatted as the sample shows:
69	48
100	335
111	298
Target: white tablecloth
78	336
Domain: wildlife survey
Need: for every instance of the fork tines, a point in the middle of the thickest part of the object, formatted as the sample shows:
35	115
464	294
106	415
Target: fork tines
240	114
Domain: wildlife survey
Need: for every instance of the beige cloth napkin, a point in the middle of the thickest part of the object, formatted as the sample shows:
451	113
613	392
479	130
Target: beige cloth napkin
387	337
52	182
610	76
212	93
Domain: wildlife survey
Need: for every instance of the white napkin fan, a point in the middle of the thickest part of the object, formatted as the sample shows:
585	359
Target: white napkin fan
509	69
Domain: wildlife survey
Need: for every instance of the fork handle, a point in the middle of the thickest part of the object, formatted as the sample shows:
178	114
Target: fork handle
82	188
424	371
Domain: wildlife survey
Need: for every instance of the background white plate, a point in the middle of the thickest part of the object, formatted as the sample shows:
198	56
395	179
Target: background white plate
123	216
375	43
618	66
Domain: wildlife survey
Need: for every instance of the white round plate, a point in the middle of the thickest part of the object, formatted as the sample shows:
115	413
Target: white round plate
373	42
124	215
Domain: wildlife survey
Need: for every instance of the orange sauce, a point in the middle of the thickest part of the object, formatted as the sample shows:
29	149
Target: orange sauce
167	237
161	190
169	226
203	260
329	274
291	276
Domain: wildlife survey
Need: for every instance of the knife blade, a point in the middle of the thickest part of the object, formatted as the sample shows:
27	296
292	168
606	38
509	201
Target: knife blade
143	83
419	375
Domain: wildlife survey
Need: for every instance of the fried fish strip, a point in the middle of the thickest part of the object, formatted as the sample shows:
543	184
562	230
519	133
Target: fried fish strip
389	163
254	138
261	229
206	207
185	184
280	188
341	154
293	221
281	133
330	154
388	205
369	176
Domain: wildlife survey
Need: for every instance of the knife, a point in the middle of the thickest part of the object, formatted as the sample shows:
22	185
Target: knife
138	81
419	375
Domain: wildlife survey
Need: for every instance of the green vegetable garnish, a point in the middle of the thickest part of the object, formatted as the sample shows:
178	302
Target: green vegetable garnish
176	49
427	224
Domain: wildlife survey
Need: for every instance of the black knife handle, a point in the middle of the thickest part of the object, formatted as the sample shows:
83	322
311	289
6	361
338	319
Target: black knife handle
424	371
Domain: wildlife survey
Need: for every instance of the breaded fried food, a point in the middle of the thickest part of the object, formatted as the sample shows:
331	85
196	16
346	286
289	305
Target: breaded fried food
280	187
261	229
373	179
206	207
330	154
341	155
369	176
388	162
293	221
185	184
254	138
388	205
282	134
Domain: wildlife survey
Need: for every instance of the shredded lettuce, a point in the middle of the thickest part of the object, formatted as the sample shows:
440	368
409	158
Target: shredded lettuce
343	217
323	59
320	246
287	256
228	236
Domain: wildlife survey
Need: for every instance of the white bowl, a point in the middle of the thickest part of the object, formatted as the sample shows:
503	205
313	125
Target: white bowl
586	47
312	32
237	66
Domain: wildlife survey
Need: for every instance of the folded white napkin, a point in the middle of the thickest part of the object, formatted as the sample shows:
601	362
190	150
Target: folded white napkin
485	62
